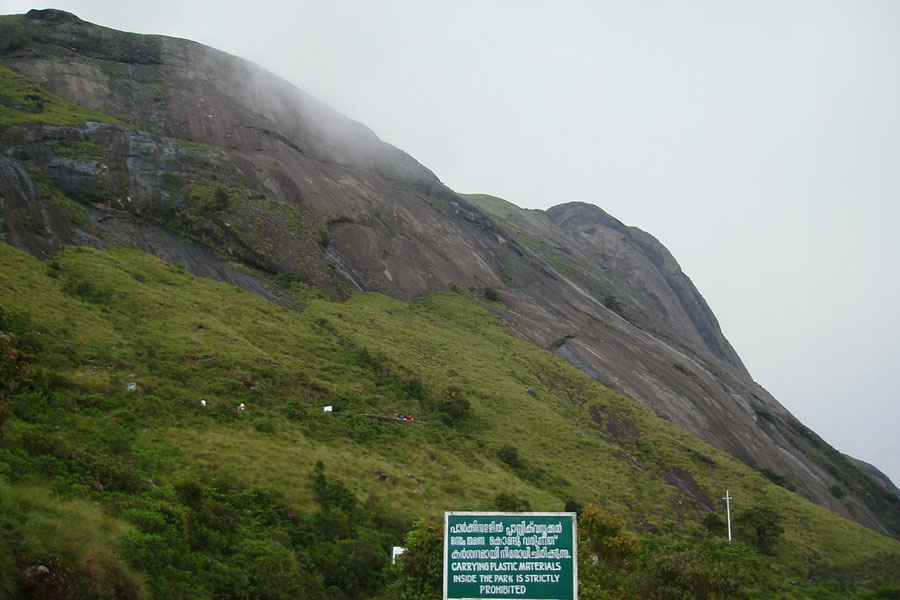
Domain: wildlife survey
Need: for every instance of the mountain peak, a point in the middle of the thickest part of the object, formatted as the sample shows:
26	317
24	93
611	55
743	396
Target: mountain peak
52	15
582	213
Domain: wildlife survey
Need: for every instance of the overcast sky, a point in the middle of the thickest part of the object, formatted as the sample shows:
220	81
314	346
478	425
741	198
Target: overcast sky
759	141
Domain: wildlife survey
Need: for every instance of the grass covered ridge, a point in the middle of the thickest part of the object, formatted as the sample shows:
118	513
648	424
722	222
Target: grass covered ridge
177	490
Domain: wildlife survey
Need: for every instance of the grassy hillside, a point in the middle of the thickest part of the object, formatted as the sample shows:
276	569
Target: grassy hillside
170	493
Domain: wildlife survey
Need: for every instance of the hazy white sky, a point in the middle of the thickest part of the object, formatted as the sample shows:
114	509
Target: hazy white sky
759	141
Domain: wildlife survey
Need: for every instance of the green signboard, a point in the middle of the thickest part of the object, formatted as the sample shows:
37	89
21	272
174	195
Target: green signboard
510	556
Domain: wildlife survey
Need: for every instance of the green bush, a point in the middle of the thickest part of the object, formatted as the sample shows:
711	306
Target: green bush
708	570
511	503
13	367
510	455
419	572
715	524
454	406
760	527
491	294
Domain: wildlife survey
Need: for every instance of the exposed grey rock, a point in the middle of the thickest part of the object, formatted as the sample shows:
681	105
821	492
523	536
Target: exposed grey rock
35	573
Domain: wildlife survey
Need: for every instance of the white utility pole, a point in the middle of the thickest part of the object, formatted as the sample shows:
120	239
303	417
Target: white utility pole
728	500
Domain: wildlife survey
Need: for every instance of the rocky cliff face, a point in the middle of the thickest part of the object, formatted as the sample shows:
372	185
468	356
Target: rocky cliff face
206	160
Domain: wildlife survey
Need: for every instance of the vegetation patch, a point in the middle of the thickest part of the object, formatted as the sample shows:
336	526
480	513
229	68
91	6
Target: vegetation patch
22	101
190	415
83	151
73	211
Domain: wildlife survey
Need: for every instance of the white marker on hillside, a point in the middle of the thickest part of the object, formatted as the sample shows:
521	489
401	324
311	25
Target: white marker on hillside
728	500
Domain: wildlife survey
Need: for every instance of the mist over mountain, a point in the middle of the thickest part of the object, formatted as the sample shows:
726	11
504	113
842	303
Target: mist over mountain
120	141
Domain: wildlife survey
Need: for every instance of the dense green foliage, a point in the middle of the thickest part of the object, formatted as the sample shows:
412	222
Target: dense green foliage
153	493
614	564
13	368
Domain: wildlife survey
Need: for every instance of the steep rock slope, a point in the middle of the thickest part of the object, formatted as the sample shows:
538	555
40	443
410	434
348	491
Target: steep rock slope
642	327
206	160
